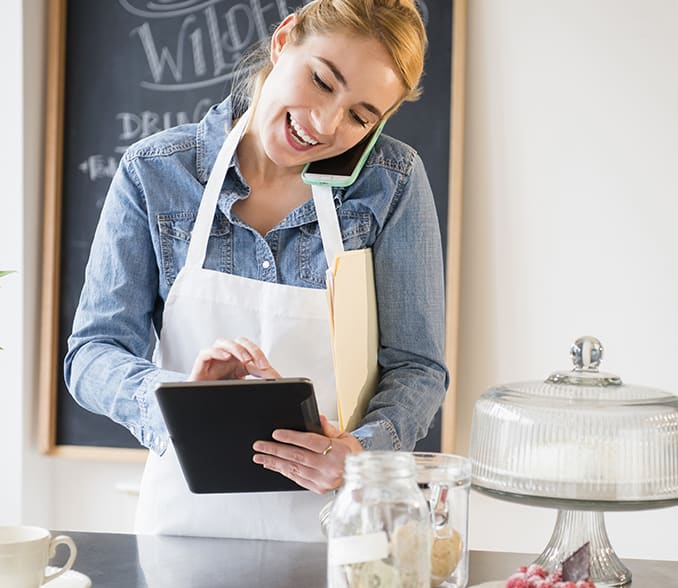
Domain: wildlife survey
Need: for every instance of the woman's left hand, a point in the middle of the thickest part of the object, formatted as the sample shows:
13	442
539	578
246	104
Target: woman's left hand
315	462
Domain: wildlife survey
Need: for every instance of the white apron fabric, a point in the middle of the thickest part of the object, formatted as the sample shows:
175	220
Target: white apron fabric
291	326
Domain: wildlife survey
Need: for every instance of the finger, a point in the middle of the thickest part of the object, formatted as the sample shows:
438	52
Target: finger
286	452
293	471
299	467
312	441
332	432
328	429
234	348
258	356
251	356
268	372
210	353
324	471
206	362
325	467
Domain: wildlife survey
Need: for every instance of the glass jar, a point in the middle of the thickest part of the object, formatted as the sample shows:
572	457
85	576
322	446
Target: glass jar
379	525
445	480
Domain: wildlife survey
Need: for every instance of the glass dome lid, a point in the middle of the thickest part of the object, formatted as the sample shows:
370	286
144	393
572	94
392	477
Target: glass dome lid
581	435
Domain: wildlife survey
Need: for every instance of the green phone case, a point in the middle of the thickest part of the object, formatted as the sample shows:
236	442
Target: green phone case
341	178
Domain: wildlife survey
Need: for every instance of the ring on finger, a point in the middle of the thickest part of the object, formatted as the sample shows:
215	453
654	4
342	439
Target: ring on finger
328	448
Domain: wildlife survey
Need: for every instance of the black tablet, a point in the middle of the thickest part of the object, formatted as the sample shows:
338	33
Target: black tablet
214	424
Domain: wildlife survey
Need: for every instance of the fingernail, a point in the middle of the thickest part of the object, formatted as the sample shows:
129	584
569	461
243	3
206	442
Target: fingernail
256	446
262	363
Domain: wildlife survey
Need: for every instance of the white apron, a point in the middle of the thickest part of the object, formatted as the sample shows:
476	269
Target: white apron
291	326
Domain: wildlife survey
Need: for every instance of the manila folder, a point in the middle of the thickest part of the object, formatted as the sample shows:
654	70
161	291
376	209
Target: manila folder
353	307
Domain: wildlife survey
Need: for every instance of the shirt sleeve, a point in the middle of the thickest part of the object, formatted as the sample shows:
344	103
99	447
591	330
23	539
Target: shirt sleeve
108	368
409	280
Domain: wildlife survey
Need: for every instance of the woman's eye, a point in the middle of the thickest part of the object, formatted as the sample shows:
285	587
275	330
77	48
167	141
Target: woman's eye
360	121
319	82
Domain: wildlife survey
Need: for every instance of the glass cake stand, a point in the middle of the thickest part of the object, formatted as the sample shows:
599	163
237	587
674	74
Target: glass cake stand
581	442
579	522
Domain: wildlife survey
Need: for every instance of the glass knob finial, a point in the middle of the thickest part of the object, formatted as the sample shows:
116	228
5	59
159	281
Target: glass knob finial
586	353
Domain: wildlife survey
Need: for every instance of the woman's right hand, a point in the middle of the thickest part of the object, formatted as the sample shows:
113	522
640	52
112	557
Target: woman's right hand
231	359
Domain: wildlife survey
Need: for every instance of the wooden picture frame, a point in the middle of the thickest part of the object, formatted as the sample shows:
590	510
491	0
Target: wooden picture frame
50	368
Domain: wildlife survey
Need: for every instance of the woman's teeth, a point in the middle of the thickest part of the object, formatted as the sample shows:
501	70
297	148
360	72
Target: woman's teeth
299	134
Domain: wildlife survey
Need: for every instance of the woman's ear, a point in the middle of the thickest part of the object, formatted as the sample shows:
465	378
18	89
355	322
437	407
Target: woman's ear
281	36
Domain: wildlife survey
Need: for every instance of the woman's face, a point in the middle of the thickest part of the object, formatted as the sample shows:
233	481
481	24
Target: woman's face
322	96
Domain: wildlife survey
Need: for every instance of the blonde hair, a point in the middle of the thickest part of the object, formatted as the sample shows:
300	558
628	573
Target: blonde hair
396	24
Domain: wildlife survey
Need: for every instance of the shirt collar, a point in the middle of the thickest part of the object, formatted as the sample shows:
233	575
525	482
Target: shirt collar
212	130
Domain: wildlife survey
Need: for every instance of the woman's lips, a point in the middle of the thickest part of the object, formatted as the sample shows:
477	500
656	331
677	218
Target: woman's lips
294	139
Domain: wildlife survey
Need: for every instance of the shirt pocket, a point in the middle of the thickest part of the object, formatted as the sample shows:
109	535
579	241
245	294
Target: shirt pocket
355	233
175	236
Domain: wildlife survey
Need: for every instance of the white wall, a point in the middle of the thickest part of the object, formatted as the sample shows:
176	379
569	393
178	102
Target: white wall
570	208
568	230
11	289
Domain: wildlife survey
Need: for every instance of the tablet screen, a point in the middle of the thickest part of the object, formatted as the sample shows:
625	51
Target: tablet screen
213	425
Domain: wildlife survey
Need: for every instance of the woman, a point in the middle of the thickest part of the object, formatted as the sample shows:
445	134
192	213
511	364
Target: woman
336	69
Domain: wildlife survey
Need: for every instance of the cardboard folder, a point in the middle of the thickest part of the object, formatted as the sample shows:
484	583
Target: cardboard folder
355	333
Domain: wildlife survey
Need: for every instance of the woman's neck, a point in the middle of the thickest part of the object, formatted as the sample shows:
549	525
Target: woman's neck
258	169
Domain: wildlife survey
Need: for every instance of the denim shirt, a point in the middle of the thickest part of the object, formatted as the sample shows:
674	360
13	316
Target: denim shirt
141	243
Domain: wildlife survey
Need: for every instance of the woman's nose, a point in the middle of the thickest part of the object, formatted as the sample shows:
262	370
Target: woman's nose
326	120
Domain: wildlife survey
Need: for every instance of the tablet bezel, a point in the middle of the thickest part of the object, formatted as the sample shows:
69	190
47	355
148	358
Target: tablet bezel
213	424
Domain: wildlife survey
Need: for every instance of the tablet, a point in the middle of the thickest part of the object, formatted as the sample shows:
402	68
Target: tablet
214	424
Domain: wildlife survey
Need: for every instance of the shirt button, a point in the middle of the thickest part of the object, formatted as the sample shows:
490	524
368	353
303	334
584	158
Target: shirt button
266	265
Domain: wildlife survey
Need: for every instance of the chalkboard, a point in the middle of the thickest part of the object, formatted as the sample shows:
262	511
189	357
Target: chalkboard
120	70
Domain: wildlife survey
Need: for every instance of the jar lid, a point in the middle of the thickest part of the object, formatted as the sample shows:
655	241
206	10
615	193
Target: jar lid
579	435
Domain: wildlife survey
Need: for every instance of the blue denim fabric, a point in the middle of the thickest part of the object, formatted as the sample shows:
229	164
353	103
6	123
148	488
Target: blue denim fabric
142	240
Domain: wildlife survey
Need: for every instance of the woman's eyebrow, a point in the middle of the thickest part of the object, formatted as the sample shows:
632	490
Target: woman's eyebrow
342	80
335	70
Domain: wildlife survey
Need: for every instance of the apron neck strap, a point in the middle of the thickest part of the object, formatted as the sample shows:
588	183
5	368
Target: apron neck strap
197	248
330	233
322	198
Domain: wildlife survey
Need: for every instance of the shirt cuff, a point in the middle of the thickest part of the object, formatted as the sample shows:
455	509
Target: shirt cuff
378	436
152	432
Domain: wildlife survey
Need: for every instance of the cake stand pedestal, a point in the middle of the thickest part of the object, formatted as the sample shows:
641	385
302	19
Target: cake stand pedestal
573	529
579	522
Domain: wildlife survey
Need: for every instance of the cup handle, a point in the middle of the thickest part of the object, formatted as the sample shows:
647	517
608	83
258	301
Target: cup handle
52	552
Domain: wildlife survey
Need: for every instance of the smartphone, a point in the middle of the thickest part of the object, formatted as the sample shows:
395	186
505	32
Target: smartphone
343	169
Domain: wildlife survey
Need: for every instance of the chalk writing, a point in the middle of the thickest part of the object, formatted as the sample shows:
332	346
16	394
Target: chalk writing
187	46
99	167
137	126
170	8
209	39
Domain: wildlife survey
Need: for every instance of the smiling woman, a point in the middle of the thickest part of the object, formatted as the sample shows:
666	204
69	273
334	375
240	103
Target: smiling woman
333	75
306	110
327	86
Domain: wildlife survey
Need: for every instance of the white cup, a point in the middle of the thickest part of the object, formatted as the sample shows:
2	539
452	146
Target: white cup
24	553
